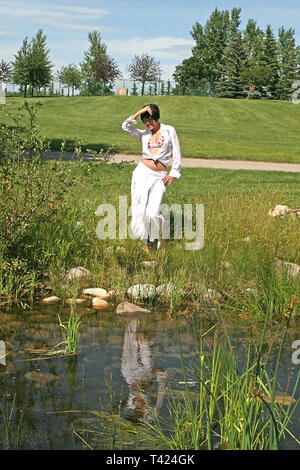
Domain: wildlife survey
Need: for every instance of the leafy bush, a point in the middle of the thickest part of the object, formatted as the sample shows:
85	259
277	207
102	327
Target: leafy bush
30	189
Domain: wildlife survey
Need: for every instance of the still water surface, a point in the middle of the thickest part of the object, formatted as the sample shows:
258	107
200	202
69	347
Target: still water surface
46	401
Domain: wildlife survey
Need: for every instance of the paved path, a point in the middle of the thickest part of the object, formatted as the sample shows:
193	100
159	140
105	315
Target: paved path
196	162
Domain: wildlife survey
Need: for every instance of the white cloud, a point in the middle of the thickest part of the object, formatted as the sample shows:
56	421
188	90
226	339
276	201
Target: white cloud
164	47
59	16
7	32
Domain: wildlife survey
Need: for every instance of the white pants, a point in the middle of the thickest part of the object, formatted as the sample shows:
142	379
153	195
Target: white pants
147	191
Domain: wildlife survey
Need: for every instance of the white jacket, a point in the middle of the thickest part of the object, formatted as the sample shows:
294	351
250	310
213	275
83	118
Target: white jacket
170	146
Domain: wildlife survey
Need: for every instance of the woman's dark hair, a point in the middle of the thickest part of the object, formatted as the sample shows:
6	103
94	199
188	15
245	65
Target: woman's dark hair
155	113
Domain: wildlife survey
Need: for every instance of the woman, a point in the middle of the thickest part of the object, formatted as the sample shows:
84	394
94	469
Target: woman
150	178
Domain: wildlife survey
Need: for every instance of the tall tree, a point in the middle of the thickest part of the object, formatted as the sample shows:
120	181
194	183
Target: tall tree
5	77
144	68
21	67
287	63
97	49
40	66
212	39
269	60
230	84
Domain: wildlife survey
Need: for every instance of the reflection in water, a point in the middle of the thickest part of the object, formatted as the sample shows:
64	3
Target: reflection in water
2	353
146	383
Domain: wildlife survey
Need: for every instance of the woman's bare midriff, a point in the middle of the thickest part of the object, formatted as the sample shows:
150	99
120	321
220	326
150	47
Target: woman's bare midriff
154	165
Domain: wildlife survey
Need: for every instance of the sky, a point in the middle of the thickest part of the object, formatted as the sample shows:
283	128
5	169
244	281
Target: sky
160	28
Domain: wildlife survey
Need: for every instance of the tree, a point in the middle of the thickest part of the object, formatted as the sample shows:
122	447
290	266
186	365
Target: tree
144	69
21	67
96	50
287	63
134	90
189	74
269	59
5	76
212	39
32	66
230	84
39	63
70	76
104	71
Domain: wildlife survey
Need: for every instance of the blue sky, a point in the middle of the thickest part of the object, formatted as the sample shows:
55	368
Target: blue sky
159	27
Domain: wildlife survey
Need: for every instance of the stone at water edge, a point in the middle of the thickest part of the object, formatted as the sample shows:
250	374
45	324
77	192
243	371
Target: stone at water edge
166	290
127	308
78	273
96	292
99	303
141	291
51	300
76	301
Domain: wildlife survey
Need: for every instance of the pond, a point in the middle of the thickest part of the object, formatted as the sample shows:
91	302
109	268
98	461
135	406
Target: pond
47	402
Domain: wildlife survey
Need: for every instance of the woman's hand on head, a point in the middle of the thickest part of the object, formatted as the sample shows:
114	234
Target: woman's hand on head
147	108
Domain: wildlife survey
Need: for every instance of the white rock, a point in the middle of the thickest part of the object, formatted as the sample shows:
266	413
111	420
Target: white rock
51	300
166	290
148	264
77	273
279	210
291	269
210	294
142	291
96	292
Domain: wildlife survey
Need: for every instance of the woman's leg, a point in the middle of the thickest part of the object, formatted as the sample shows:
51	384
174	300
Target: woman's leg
153	216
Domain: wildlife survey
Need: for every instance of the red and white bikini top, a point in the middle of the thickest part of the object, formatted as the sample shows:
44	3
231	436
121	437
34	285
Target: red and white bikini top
158	144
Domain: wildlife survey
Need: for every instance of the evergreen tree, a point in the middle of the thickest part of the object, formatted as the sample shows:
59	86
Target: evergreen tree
287	62
134	91
269	60
212	39
162	88
168	92
230	84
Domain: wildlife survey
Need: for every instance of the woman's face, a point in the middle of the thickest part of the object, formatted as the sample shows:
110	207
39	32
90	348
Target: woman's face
151	124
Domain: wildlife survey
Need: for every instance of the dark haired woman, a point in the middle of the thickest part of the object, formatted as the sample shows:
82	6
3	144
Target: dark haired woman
149	179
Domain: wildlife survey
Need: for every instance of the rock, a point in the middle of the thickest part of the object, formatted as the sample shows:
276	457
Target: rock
291	269
281	398
76	301
51	300
39	377
142	291
166	290
96	292
78	273
99	303
148	264
210	294
127	308
279	210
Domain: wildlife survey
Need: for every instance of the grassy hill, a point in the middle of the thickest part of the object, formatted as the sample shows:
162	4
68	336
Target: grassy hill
207	127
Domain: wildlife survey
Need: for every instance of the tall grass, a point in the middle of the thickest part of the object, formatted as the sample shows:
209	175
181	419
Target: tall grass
235	407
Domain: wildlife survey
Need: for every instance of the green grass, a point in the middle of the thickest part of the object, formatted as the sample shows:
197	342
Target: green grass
207	127
236	206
